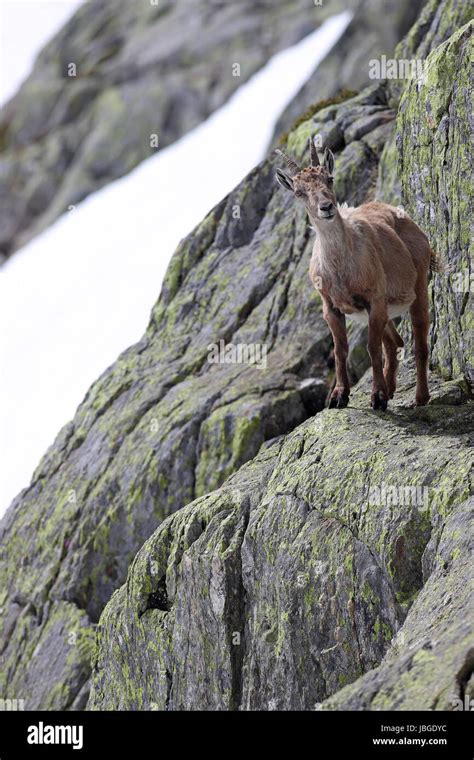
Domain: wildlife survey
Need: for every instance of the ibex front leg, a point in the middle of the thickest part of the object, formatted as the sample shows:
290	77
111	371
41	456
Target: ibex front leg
337	324
377	320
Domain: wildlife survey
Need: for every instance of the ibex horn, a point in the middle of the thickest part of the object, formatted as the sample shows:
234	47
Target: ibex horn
292	166
313	152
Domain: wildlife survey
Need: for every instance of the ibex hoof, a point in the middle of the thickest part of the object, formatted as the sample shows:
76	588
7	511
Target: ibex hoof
378	401
339	400
422	399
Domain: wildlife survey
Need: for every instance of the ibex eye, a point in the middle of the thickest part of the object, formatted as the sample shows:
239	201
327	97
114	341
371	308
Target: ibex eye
299	193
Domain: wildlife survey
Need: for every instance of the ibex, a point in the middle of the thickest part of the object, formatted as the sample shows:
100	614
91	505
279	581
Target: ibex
370	263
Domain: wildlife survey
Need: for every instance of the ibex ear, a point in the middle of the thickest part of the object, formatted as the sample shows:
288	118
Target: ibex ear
328	161
284	180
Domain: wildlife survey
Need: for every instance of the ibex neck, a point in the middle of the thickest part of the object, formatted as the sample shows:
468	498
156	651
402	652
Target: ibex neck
332	236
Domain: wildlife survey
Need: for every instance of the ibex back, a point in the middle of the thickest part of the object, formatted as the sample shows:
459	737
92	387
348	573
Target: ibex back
369	263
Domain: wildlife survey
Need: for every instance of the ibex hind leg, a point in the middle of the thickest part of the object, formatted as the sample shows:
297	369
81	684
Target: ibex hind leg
420	319
395	334
391	344
377	323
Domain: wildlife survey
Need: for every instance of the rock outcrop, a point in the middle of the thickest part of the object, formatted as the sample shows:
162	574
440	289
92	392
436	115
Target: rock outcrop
292	579
435	153
163	425
375	30
297	561
431	660
314	561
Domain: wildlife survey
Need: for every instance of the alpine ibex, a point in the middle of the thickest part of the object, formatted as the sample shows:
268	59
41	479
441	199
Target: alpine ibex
370	263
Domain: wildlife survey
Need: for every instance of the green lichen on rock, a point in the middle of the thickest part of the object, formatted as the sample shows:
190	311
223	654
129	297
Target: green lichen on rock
434	144
280	584
326	580
314	108
59	654
375	30
287	582
68	132
163	425
431	658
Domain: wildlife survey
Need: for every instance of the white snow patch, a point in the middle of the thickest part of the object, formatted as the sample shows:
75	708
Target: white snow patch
81	292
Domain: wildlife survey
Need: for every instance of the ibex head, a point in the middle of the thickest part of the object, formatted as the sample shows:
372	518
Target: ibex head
313	185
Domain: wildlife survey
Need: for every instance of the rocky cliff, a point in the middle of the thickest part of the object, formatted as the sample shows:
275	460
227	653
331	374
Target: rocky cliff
316	562
143	69
375	30
314	551
295	577
163	426
118	73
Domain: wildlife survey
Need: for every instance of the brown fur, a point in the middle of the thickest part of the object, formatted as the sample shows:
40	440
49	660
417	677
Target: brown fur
370	261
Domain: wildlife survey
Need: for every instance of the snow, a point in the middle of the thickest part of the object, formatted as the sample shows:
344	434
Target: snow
81	292
25	25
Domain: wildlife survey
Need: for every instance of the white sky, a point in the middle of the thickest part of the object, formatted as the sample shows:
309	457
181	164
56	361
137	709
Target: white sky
25	26
80	293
